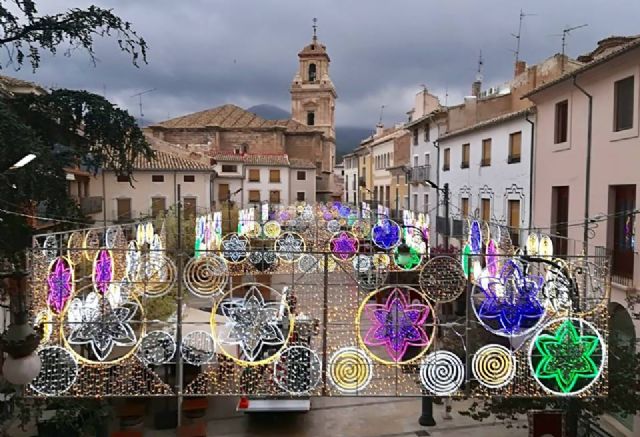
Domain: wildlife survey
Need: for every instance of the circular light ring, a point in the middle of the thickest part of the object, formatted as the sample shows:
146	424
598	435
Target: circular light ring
386	234
493	366
344	246
362	263
252	229
228	297
361	228
68	346
74	247
272	229
350	370
381	260
407	292
597	347
308	263
297	370
58	371
156	274
235	248
333	226
290	246
157	348
206	275
197	348
442	373
442	279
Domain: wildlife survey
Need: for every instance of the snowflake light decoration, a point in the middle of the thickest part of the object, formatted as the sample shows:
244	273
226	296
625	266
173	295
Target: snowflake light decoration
235	248
289	246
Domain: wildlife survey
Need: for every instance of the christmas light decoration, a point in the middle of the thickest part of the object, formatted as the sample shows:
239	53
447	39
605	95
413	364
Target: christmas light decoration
344	246
58	372
350	370
442	279
197	348
102	271
493	366
567	356
475	237
272	229
60	283
235	248
289	246
206	276
157	348
442	373
297	370
386	234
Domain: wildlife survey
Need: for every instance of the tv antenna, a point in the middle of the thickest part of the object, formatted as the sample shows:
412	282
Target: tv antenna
139	96
519	35
381	113
566	31
480	65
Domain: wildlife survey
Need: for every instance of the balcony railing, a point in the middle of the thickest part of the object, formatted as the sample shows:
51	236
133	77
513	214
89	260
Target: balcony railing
419	174
91	205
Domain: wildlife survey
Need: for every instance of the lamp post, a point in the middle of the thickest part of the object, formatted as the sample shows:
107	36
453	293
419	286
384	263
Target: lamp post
445	193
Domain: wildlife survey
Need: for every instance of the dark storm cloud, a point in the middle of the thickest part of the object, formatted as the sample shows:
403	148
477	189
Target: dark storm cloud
206	53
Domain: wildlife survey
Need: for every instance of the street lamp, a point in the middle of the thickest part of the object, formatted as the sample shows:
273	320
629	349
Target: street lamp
23	161
445	193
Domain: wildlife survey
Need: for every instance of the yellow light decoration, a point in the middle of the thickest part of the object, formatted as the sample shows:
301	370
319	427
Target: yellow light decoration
91	244
44	318
494	366
140	235
272	229
148	232
350	370
532	244
381	260
74	247
546	247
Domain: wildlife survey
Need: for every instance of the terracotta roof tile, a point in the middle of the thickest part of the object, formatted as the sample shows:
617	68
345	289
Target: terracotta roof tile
301	163
168	161
263	159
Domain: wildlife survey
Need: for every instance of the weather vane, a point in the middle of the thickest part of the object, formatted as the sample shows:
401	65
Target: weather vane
315	28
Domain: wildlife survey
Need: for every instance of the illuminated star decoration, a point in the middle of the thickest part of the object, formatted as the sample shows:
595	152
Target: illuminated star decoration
289	246
407	262
567	356
386	235
252	323
397	325
512	299
94	322
103	273
344	246
60	283
234	248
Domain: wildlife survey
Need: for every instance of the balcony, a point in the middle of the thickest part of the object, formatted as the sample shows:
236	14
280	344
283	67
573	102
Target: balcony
419	174
91	205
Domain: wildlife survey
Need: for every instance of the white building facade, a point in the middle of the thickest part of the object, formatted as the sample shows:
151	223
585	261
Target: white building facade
488	169
350	193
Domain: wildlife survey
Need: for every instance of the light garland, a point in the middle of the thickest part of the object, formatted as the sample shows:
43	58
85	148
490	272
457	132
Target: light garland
297	370
58	372
157	348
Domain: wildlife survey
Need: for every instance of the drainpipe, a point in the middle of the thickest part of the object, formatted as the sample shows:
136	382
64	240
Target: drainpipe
436	144
531	157
587	185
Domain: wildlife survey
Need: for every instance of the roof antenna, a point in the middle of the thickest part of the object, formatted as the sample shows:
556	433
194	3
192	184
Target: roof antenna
565	33
517	37
315	28
139	96
381	113
446	95
480	64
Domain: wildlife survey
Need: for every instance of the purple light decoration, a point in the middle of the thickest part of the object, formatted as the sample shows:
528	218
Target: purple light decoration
60	283
327	216
492	258
103	271
386	235
476	237
344	246
512	300
285	216
397	325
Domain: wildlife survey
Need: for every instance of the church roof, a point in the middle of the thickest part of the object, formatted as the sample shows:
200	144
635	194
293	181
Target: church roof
230	117
316	48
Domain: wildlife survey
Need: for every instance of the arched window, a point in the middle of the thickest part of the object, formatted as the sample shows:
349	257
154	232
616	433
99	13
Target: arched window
311	118
312	72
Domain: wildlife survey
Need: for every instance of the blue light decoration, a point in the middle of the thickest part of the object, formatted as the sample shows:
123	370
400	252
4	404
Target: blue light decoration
509	305
386	234
344	211
475	237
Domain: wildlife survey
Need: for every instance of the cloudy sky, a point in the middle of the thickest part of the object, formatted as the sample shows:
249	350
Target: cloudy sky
204	53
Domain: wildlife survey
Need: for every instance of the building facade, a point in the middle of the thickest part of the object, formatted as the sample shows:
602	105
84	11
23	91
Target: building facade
350	163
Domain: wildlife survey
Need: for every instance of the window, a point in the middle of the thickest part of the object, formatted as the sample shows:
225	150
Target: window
623	104
561	122
300	196
623	200
426	132
312	72
427	159
514	221
311	118
158	205
228	168
415	201
157	178
254	175
426	203
189	178
485	210
223	192
274	196
254	196
515	147
415	161
415	136
465	155
559	218
123	207
302	175
464	207
447	158
189	206
388	196
486	153
122	178
274	176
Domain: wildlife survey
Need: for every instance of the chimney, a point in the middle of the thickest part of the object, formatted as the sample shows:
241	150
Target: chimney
379	129
521	66
475	88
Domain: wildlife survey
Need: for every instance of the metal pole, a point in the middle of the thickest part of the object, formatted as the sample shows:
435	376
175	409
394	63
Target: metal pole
446	215
179	363
325	320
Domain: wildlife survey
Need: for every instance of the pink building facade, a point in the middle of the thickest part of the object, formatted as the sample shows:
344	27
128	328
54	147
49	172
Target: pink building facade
611	77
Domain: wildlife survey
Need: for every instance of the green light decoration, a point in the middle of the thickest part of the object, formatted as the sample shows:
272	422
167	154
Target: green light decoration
567	357
466	255
409	260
